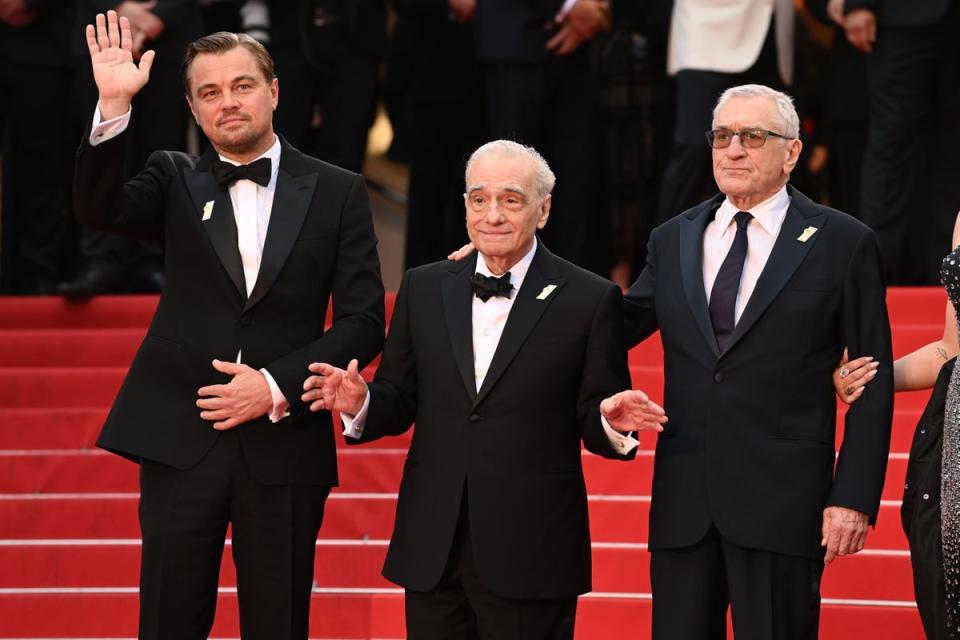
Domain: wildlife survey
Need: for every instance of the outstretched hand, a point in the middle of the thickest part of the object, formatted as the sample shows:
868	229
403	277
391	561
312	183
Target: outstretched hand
334	389
118	78
632	410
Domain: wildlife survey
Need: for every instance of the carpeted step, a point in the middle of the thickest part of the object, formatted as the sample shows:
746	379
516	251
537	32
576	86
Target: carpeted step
360	470
348	515
869	575
354	616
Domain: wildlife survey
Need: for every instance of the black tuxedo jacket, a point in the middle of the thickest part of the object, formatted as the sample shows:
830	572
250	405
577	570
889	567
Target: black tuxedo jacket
749	445
320	243
514	447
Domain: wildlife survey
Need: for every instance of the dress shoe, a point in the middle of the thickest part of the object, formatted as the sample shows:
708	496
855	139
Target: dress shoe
93	281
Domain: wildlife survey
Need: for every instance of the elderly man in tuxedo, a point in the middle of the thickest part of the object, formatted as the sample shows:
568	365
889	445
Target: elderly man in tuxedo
755	293
506	361
257	238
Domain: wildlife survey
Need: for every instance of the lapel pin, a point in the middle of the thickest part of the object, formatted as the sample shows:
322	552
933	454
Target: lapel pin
547	290
208	210
807	234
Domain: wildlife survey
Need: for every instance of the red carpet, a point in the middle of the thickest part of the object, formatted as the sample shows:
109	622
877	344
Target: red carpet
69	541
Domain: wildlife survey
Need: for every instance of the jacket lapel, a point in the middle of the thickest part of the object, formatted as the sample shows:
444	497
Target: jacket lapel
787	254
220	226
291	202
458	309
526	311
691	266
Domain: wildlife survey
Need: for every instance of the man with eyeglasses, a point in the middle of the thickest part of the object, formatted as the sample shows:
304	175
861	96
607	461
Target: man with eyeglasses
755	293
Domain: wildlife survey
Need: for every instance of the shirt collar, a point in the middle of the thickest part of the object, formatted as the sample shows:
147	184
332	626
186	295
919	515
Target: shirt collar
273	153
517	272
769	214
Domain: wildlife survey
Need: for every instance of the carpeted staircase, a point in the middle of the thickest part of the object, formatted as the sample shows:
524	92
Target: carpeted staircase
69	541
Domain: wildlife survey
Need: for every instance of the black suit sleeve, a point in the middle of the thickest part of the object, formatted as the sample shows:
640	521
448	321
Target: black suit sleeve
357	291
639	305
393	394
605	372
866	440
102	200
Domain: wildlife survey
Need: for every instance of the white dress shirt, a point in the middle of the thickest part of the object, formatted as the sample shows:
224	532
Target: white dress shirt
762	233
252	205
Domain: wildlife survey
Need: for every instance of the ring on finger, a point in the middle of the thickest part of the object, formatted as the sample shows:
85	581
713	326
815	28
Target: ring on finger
848	391
844	372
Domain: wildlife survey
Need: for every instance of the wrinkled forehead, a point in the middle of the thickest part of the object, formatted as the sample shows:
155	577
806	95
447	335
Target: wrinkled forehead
496	173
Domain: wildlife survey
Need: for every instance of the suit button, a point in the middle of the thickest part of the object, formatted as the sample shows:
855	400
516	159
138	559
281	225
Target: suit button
718	377
245	322
474	418
926	496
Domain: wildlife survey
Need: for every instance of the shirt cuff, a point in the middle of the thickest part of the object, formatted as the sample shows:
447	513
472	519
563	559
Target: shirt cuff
622	443
280	405
353	425
103	131
564	10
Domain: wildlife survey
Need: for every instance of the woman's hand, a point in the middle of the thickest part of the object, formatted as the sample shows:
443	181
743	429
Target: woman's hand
850	377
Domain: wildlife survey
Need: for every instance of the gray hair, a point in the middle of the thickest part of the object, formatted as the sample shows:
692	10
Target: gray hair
543	175
783	102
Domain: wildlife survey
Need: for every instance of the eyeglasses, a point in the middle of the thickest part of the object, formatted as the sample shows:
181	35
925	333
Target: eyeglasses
750	137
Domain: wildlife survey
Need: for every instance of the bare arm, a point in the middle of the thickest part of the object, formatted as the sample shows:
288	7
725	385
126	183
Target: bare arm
918	370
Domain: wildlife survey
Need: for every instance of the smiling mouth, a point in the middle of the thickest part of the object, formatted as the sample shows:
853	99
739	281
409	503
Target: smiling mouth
234	120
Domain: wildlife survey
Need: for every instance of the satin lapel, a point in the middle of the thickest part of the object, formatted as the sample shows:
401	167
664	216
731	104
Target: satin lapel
691	266
458	309
221	226
787	254
524	314
291	201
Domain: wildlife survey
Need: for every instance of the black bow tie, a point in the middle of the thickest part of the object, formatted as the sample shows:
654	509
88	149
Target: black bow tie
486	287
258	171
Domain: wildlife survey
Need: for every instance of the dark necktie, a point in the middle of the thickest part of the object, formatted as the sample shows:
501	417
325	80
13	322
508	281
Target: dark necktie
258	171
486	287
723	297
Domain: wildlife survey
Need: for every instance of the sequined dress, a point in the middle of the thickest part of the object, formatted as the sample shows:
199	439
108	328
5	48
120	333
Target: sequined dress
950	470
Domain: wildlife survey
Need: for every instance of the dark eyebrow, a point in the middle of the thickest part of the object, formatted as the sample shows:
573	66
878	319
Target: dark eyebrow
243	78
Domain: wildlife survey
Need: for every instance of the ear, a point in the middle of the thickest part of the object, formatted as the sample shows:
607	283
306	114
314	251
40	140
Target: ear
274	92
793	155
544	212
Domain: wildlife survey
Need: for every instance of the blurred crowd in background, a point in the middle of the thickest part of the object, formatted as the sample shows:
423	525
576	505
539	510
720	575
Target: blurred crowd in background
616	95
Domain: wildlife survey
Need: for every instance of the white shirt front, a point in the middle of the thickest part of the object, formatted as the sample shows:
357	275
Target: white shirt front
762	233
252	206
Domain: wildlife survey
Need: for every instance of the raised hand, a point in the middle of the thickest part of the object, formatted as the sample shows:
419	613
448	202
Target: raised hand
632	410
118	78
334	389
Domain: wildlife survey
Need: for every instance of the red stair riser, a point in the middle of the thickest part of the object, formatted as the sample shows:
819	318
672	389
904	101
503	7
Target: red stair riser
381	616
618	570
351	518
360	470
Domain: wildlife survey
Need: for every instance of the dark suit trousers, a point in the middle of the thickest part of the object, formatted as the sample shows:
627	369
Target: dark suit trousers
183	518
910	189
552	106
462	608
687	179
771	596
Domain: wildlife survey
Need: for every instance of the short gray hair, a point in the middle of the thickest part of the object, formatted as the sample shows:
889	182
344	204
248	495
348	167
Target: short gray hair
543	175
783	102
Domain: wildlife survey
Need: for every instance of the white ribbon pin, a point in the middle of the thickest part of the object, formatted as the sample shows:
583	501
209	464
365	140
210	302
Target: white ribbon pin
207	210
547	290
807	234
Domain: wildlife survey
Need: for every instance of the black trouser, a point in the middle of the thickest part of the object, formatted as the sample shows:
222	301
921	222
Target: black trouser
552	107
771	596
910	189
183	518
462	608
688	179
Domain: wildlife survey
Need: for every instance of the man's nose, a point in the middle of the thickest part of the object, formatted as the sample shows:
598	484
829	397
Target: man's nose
494	214
735	150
